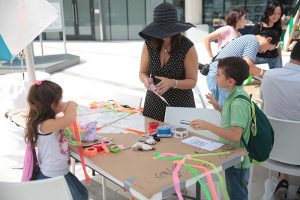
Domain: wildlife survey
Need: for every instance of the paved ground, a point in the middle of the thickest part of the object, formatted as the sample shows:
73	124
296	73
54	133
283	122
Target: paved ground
105	67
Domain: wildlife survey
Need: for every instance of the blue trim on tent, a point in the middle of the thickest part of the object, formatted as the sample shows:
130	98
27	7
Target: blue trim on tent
4	51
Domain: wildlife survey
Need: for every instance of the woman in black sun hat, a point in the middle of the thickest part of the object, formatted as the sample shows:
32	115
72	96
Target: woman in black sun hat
169	61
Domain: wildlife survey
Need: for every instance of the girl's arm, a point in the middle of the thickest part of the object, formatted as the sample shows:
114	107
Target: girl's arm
233	134
208	39
59	123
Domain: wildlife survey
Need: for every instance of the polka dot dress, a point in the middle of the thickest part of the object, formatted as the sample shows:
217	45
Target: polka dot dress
154	107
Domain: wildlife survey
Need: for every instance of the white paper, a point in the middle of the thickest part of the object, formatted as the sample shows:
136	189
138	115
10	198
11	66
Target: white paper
152	87
208	145
135	121
264	66
103	116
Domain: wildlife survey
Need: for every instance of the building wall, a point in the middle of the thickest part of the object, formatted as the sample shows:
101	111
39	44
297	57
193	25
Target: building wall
123	19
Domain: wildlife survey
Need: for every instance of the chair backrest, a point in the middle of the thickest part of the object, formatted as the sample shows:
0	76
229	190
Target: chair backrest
46	189
286	141
173	116
197	91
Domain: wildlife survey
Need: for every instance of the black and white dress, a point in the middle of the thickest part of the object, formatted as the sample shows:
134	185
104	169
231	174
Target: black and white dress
154	107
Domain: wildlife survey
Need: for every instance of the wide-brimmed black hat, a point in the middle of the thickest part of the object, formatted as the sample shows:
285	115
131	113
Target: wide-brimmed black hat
165	23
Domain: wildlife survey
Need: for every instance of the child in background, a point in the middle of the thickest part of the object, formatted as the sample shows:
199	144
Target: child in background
235	121
235	20
46	131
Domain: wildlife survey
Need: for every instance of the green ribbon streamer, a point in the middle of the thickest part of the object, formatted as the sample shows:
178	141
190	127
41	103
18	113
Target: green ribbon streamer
202	185
222	184
211	154
214	168
73	142
158	155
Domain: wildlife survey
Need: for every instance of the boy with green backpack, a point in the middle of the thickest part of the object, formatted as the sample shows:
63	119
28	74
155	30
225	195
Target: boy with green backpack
239	127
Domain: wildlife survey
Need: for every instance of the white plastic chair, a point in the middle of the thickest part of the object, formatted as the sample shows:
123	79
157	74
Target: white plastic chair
286	141
197	91
47	189
201	89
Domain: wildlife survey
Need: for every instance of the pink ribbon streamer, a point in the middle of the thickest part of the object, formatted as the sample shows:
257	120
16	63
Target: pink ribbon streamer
209	179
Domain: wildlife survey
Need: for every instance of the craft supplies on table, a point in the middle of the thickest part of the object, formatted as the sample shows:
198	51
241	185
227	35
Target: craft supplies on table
164	131
90	151
180	132
152	127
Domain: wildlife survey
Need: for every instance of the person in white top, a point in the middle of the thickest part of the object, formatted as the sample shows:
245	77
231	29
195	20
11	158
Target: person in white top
280	91
235	20
46	131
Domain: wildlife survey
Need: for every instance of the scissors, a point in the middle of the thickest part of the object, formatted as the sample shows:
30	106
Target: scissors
186	122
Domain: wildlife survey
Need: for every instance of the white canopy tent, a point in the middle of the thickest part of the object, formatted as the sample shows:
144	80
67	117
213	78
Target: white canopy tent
20	22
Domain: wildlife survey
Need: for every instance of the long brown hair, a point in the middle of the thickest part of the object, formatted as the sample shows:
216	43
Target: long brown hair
175	43
41	97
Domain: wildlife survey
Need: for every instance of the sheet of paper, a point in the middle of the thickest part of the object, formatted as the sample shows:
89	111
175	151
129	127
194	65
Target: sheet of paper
103	116
135	121
152	87
264	66
208	145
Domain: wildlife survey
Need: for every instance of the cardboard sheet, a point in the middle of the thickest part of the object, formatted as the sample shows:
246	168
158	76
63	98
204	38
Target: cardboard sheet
148	176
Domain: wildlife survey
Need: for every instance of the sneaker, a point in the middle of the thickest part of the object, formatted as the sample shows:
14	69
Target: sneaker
298	193
281	190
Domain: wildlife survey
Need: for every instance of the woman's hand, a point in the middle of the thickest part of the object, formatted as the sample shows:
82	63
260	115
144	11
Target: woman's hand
211	99
164	85
147	82
199	124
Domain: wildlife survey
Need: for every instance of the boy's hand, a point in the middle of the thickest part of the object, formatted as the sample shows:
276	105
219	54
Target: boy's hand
199	124
212	101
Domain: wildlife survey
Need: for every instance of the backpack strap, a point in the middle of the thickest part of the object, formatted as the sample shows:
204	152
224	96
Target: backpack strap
251	109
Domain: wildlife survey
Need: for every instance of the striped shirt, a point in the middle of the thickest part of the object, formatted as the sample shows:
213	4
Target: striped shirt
243	46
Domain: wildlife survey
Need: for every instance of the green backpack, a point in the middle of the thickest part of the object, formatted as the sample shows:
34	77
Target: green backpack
261	139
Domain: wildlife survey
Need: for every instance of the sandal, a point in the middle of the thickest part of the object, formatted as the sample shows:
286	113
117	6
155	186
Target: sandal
298	193
281	190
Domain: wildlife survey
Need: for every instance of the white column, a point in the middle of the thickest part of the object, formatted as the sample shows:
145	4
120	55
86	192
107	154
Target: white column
193	11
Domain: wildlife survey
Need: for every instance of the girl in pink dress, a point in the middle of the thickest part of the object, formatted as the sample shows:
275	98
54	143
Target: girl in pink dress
234	20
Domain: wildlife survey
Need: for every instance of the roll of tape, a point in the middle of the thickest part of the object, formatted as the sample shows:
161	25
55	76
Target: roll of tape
98	147
163	130
180	132
90	151
101	148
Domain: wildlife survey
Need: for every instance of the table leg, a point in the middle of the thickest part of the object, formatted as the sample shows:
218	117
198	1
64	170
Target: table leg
104	188
198	191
